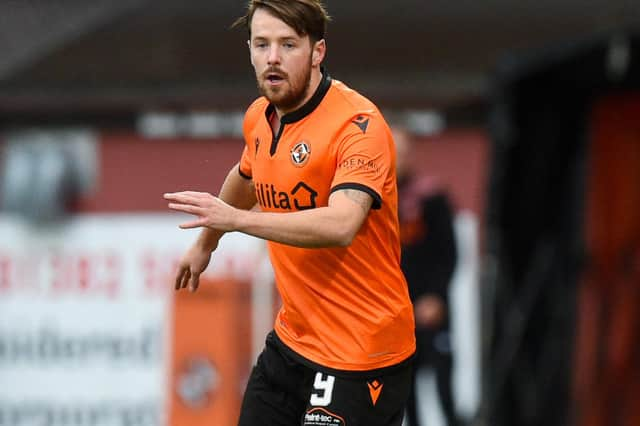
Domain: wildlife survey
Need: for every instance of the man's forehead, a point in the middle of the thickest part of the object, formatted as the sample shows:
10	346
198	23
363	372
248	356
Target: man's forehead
266	25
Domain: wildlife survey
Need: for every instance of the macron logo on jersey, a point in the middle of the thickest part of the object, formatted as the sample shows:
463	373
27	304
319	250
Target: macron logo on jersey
301	197
362	122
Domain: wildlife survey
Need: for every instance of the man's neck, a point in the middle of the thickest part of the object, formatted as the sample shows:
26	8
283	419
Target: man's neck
314	82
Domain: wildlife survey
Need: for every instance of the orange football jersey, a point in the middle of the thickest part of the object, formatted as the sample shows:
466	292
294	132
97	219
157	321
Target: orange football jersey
343	308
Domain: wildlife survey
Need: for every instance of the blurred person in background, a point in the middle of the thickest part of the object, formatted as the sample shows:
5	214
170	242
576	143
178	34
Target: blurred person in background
429	258
319	161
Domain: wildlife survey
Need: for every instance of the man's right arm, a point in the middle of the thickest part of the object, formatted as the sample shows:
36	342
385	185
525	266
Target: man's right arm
236	191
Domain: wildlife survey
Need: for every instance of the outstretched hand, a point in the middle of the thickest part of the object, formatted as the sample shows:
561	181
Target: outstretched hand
211	211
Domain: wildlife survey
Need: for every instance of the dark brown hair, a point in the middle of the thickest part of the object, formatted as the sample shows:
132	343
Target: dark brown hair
306	17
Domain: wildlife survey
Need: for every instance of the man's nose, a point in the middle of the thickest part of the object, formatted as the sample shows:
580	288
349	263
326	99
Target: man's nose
274	55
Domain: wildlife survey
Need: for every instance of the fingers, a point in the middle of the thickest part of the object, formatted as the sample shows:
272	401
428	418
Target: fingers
193	283
190	197
182	278
187	278
194	224
187	208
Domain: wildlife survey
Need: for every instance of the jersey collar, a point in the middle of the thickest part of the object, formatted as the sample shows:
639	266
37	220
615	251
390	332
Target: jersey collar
311	104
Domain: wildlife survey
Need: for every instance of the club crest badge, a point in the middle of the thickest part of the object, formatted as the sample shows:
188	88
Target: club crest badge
300	153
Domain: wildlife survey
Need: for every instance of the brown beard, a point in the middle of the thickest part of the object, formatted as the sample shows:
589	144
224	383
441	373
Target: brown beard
290	98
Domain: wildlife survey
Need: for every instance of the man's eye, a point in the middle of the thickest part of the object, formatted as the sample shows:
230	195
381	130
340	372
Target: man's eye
289	45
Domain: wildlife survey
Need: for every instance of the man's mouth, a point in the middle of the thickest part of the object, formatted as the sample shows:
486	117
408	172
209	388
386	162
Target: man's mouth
274	78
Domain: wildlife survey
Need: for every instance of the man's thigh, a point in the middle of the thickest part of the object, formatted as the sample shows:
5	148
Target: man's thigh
270	398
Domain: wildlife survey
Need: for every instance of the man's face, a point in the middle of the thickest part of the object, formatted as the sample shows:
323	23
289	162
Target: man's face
282	61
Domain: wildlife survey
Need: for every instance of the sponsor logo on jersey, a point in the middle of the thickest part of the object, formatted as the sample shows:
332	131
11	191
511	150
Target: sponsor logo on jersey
355	163
300	197
321	417
300	153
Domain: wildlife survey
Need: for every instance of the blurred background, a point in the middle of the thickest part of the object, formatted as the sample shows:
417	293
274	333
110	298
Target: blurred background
528	112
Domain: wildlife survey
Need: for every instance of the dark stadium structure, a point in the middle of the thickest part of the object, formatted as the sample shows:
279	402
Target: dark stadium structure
559	263
107	59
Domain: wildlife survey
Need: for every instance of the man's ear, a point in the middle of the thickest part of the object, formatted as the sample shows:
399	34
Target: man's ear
250	57
319	51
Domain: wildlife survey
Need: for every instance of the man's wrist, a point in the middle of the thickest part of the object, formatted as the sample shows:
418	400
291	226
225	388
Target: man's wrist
239	220
208	239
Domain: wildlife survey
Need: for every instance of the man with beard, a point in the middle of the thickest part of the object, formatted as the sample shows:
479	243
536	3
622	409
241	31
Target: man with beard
319	161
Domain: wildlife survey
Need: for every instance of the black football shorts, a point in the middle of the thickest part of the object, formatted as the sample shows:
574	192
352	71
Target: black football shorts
283	391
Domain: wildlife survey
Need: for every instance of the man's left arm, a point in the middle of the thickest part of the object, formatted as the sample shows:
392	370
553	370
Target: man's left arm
335	225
